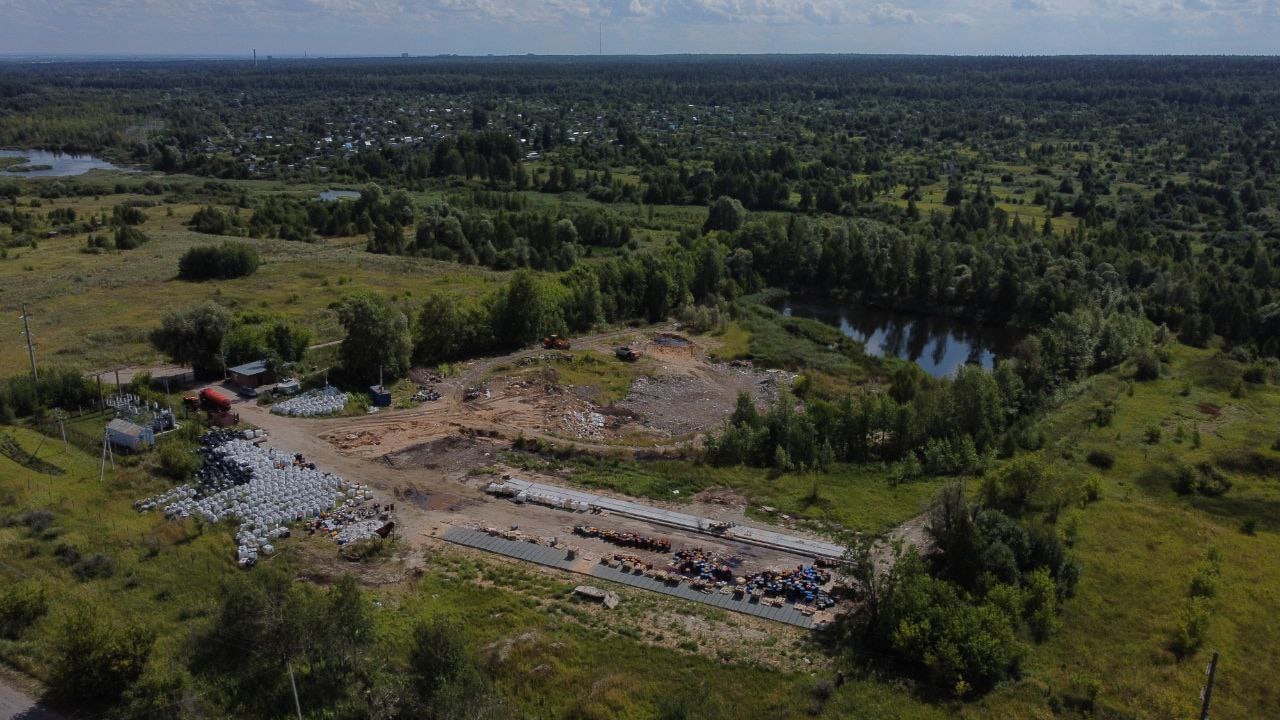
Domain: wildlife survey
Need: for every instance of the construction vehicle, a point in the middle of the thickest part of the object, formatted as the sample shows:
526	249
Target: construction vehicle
627	354
555	342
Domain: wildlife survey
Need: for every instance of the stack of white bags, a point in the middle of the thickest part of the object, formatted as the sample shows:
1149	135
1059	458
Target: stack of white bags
327	400
262	488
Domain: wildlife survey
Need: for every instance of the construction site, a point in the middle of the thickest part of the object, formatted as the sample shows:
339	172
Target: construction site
445	465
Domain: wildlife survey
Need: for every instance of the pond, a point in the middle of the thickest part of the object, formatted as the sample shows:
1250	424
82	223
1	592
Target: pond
332	195
937	345
43	163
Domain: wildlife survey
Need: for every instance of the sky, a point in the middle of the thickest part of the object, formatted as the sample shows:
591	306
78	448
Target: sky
505	27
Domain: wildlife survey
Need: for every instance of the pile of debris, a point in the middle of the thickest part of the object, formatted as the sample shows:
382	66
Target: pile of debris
585	424
801	585
426	395
625	539
475	393
605	597
703	565
351	524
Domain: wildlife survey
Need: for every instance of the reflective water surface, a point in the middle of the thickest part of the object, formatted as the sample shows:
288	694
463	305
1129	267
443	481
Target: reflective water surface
60	164
937	345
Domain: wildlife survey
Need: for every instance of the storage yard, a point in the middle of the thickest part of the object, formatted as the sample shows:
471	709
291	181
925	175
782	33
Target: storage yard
426	473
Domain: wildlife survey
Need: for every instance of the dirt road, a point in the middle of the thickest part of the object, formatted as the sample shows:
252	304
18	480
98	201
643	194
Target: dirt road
17	705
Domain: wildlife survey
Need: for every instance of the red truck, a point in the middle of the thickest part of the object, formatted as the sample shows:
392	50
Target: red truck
210	400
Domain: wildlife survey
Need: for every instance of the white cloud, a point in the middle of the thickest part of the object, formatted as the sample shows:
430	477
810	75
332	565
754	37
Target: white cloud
546	26
889	13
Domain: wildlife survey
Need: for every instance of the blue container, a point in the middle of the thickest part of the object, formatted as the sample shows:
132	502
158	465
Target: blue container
380	395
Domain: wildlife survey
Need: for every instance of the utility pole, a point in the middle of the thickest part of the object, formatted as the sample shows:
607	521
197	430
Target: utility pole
1208	688
31	350
296	704
106	453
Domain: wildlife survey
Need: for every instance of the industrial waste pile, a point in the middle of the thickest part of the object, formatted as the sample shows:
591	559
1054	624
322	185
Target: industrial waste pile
265	490
625	539
327	400
802	585
697	563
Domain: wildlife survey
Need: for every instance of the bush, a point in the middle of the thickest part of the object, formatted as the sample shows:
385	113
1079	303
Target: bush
21	605
1092	489
218	262
177	461
1204	479
94	662
66	554
212	221
1189	635
1204	584
94	567
37	521
128	238
1152	435
1101	459
1146	365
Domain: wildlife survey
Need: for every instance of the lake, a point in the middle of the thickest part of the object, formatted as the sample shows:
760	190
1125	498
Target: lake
60	164
335	195
937	345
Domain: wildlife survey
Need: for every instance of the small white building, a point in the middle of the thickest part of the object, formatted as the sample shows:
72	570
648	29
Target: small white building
130	436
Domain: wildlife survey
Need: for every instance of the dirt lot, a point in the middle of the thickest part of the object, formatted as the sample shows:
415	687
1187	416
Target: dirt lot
674	394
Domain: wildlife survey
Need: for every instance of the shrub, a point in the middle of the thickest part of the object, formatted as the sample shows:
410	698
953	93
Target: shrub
1256	374
212	221
1146	365
1092	489
1189	635
1101	459
176	461
93	662
1152	435
128	238
1103	415
218	262
21	605
1204	583
37	521
94	567
66	554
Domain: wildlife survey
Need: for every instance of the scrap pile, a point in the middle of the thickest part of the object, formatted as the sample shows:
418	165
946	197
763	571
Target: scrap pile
625	539
263	489
705	566
327	400
350	523
802	585
585	424
426	395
